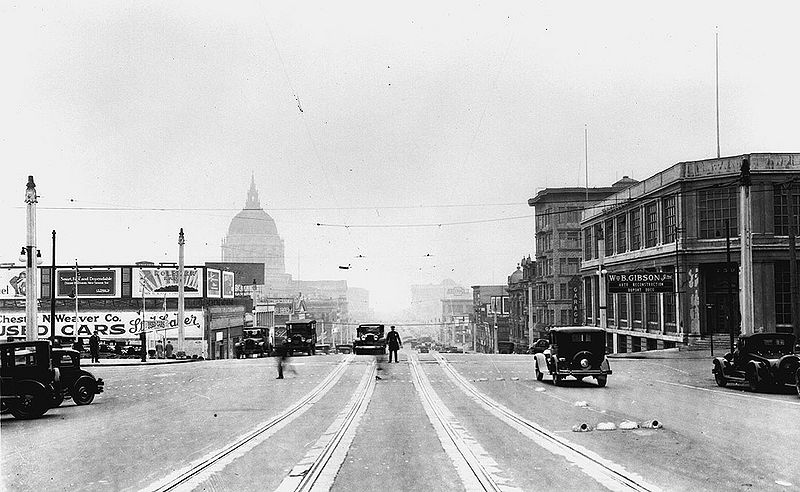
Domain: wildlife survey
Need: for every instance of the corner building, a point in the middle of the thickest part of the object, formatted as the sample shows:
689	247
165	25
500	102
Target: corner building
682	220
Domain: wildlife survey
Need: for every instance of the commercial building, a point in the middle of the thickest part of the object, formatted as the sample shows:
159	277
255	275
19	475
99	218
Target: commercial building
681	225
520	292
490	327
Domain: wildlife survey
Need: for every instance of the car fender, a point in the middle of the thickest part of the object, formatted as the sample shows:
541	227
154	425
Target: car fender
761	371
605	366
720	364
542	363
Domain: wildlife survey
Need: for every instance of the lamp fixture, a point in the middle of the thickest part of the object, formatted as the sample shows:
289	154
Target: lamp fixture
23	255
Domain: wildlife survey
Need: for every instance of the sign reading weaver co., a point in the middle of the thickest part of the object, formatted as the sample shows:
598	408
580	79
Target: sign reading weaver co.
620	283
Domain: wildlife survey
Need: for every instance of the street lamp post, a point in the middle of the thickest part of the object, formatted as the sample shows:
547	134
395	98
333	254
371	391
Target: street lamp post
31	255
53	294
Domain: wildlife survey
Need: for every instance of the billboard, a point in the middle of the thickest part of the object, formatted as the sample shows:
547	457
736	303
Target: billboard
12	283
163	282
228	282
213	283
92	282
110	324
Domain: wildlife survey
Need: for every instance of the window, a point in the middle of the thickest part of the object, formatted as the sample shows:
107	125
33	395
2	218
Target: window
651	216
563	291
588	301
550	291
609	237
598	236
781	201
565	317
609	305
568	215
574	265
543	219
636	304
652	310
669	305
569	239
714	208
623	309
587	243
636	229
783	294
622	244
669	219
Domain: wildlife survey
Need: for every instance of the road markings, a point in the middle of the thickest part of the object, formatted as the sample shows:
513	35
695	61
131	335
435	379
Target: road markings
476	468
605	472
318	469
200	470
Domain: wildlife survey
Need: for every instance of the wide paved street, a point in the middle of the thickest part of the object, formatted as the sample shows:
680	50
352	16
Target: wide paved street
431	422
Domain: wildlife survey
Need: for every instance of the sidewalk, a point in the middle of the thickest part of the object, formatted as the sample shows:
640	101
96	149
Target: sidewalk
134	362
672	353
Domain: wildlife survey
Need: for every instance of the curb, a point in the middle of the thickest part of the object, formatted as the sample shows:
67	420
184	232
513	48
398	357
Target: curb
139	363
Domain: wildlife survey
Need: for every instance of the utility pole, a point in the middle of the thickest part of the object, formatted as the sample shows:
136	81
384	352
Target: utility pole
75	291
53	294
601	280
143	333
31	294
746	272
181	282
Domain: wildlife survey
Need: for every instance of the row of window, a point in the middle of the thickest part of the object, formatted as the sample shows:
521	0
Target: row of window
558	215
546	292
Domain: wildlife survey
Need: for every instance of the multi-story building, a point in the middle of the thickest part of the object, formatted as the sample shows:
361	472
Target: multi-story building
490	319
688	219
520	293
456	315
557	284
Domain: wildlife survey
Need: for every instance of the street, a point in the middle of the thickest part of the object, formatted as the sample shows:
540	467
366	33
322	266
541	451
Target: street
431	422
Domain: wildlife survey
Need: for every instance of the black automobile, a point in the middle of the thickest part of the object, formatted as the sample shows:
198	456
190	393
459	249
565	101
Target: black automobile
760	360
301	336
76	383
539	346
578	351
29	380
254	342
369	339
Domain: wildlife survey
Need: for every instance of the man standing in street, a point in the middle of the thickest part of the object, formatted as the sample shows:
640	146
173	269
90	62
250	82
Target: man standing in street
394	342
94	346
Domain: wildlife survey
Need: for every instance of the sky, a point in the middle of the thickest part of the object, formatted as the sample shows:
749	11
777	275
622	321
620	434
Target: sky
402	140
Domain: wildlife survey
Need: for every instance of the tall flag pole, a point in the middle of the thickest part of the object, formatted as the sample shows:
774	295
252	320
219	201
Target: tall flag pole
716	67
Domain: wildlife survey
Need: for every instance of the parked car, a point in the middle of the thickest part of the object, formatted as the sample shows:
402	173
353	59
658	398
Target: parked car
423	349
760	360
322	348
28	380
344	349
76	383
578	351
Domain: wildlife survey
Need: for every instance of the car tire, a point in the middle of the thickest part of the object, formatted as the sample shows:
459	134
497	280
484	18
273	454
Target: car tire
556	379
797	382
602	380
33	402
539	375
58	399
83	391
720	378
752	379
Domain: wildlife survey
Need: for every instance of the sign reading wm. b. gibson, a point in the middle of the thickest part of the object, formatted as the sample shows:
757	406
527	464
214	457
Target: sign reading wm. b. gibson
622	283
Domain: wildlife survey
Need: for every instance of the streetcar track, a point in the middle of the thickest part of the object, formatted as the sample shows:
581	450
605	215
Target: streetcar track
317	470
195	473
478	471
605	472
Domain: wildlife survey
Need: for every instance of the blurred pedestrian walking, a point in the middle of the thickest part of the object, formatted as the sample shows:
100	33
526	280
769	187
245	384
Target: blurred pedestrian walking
282	351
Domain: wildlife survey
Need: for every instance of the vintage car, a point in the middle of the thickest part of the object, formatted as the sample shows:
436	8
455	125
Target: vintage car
578	351
369	339
76	383
29	380
539	346
761	360
301	336
255	341
423	349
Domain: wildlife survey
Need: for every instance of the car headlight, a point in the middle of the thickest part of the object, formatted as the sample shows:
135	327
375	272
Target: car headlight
584	363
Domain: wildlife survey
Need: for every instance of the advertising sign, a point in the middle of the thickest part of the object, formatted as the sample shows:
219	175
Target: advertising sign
12	283
641	282
120	325
213	283
227	285
163	282
101	282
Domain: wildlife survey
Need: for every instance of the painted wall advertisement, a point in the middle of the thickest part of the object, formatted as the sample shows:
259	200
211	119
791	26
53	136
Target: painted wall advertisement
213	283
163	282
120	325
101	282
12	283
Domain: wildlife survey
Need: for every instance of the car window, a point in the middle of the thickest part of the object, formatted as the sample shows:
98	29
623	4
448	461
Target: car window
65	360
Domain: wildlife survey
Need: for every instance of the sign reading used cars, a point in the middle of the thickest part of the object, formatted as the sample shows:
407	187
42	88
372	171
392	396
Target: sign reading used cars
621	283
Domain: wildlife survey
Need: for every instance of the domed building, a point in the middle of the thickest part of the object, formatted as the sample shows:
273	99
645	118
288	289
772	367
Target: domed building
253	238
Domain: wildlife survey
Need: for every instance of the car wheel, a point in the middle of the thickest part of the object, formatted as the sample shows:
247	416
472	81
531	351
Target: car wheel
797	382
83	391
720	378
33	401
602	380
539	375
556	379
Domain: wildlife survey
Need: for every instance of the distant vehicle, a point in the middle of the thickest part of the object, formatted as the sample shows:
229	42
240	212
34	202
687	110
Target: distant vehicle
301	336
76	383
574	351
423	349
762	361
505	347
539	346
28	381
323	348
344	349
369	339
255	341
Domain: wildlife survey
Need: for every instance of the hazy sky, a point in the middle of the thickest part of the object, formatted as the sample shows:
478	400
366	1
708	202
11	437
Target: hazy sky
384	117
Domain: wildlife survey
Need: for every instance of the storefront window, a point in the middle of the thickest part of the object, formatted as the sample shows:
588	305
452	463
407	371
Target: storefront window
714	208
